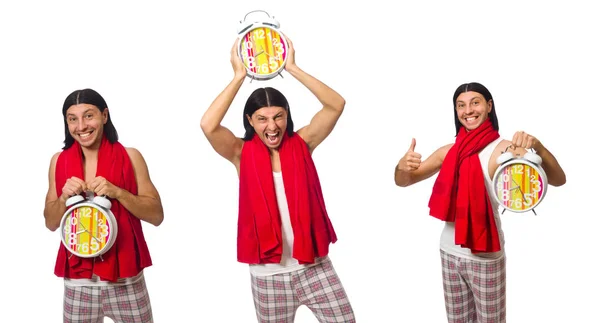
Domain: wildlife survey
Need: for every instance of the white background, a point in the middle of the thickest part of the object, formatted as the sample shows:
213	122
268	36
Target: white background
159	65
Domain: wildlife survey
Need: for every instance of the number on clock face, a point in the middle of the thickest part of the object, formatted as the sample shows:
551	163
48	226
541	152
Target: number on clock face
519	187
263	51
86	230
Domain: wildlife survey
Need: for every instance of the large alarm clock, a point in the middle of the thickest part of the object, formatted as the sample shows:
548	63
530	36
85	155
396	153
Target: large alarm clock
262	47
88	228
520	182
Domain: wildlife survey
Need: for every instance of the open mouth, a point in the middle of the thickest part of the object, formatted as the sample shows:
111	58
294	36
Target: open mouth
85	135
272	137
471	120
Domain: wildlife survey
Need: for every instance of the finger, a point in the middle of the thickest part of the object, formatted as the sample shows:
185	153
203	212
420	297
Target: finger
93	185
235	45
413	143
76	180
76	185
415	155
101	191
413	165
70	190
518	139
413	160
529	144
289	41
98	189
514	138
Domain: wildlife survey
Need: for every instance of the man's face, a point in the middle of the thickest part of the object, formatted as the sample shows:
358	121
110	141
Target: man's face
86	124
269	123
472	109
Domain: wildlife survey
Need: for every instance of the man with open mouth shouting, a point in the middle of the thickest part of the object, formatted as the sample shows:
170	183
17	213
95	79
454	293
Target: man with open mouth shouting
284	231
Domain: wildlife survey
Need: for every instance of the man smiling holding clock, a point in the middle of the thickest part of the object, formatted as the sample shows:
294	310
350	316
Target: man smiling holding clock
93	161
284	231
472	242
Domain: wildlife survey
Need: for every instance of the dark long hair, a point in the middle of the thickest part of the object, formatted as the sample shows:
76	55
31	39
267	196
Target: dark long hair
265	97
88	96
479	88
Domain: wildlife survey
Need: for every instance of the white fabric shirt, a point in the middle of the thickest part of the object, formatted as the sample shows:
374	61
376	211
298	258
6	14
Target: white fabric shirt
288	263
95	281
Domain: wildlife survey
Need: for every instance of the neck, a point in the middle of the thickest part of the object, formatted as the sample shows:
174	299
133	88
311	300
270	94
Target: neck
92	151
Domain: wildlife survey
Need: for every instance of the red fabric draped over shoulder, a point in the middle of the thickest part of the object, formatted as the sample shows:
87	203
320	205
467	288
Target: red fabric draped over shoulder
259	223
459	194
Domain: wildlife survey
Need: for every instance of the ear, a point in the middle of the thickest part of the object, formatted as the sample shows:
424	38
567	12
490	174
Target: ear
105	116
249	120
490	105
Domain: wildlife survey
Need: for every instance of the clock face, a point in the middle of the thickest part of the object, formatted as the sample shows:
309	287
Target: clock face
263	51
87	230
519	186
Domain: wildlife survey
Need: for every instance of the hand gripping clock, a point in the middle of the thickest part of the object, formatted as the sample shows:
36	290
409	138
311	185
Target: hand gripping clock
88	228
262	47
519	182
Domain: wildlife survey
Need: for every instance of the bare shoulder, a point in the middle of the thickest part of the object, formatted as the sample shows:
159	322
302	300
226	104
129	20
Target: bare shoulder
444	149
137	160
134	154
434	162
53	162
54	158
441	152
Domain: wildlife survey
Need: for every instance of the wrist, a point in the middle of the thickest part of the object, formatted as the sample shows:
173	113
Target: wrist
292	68
239	76
119	193
539	148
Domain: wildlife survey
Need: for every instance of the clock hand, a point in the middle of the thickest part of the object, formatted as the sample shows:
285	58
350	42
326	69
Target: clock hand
522	194
86	230
262	52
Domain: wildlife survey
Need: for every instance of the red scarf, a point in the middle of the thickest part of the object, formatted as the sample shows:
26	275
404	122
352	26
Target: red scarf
129	254
259	224
459	194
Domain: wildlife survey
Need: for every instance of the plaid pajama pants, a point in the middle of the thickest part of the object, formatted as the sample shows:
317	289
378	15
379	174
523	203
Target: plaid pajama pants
123	304
277	297
474	291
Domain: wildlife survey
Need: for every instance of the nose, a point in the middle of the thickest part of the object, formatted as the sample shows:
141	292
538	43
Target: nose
271	125
468	109
81	124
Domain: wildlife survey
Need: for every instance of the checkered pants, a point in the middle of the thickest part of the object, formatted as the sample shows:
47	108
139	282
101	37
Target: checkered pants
123	304
277	297
475	291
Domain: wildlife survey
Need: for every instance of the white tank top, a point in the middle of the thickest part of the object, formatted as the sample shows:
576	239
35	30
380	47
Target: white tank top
447	239
288	263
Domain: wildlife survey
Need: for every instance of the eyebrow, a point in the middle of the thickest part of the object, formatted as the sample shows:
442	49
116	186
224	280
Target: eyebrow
84	112
262	116
474	98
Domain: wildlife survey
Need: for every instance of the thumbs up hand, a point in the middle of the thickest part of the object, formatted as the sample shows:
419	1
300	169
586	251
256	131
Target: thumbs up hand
411	160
